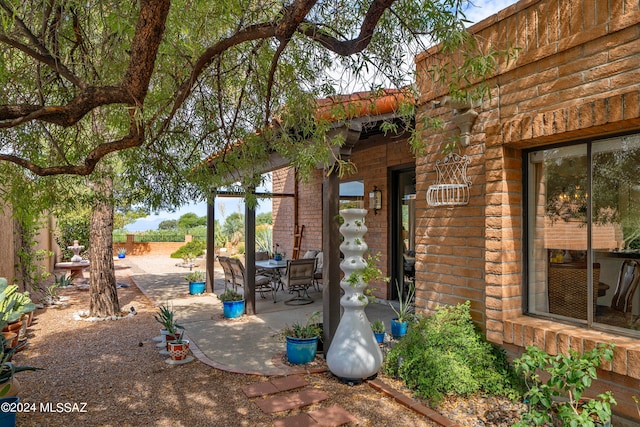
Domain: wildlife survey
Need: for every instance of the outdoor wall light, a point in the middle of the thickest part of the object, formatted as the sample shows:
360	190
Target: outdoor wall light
375	200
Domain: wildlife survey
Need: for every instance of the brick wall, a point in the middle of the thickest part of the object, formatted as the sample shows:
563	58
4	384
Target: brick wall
283	209
372	157
577	76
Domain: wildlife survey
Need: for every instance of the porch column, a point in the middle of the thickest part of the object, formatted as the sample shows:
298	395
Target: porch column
211	251
331	250
250	257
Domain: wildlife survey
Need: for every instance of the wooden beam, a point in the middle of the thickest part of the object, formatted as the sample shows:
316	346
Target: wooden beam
250	259
211	251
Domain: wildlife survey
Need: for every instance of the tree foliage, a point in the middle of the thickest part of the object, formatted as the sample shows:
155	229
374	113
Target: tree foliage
168	224
166	84
191	220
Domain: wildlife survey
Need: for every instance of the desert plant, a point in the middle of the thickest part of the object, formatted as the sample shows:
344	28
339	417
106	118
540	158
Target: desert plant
404	312
264	237
377	326
190	250
569	375
7	368
62	281
444	354
14	304
51	292
310	329
195	276
230	295
166	317
122	251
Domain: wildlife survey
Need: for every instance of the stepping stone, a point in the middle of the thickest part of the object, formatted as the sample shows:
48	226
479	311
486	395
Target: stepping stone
289	382
274	386
291	401
260	389
302	420
333	416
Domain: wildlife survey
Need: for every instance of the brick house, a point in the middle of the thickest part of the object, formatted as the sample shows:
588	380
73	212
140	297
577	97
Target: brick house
540	238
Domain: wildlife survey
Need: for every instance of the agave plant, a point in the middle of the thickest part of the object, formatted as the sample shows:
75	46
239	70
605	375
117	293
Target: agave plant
14	304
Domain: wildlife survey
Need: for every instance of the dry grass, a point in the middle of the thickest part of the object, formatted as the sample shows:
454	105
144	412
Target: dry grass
114	368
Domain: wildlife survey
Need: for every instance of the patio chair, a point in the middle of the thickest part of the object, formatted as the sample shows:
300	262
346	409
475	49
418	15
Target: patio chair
317	274
228	272
262	256
263	283
298	278
620	313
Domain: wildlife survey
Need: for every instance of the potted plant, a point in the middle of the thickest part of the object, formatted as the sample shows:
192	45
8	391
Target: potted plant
232	303
377	326
277	255
179	348
122	252
166	317
559	399
302	340
196	282
8	385
16	307
404	312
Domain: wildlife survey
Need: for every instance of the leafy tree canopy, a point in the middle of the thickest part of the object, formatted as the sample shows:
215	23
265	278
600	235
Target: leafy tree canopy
161	85
191	220
264	218
168	224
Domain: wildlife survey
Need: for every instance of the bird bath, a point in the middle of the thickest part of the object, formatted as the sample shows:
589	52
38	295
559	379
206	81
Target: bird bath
76	265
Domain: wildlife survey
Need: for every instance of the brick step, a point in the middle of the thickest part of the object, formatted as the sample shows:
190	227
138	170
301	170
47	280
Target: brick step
276	385
333	416
291	401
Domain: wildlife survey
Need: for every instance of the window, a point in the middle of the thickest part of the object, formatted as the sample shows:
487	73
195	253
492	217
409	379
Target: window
352	194
584	232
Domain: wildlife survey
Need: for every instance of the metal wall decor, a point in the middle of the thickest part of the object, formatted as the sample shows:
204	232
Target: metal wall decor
452	184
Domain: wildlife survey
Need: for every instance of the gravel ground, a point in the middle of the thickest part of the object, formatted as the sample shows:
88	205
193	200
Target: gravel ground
109	373
113	372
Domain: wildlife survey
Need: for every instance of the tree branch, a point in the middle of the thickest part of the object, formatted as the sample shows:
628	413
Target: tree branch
91	161
270	80
358	44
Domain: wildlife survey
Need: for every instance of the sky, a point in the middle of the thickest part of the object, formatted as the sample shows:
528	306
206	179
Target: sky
481	10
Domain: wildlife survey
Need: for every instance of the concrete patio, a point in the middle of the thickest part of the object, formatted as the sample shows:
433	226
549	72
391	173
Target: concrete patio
245	345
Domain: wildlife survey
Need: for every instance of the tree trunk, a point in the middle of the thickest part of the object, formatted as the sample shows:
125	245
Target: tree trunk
104	295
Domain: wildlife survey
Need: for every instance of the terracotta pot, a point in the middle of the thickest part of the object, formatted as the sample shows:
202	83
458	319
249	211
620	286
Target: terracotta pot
178	351
30	318
14	387
11	339
22	335
13	327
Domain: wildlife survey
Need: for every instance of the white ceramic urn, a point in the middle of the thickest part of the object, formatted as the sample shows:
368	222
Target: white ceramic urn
354	354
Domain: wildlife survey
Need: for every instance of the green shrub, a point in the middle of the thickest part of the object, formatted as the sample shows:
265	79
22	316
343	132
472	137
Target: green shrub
159	236
190	250
240	248
568	375
444	354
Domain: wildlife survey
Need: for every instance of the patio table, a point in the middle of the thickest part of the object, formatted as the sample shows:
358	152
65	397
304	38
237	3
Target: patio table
271	268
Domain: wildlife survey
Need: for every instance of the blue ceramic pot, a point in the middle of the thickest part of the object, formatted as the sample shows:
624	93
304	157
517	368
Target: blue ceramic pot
398	329
121	256
233	309
196	288
379	337
8	419
301	350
